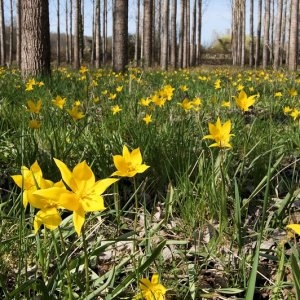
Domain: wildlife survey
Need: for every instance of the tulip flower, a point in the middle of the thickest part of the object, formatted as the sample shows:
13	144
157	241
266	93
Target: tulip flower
220	133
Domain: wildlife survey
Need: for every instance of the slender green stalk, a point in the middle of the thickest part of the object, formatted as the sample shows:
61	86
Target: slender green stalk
86	261
69	279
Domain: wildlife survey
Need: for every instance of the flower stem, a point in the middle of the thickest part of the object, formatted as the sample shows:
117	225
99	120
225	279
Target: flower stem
86	261
69	281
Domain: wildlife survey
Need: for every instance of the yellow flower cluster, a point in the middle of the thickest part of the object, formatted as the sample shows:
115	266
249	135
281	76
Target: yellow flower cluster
78	191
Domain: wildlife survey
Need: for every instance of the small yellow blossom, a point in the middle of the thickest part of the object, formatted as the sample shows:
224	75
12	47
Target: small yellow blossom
30	84
147	119
184	88
75	113
295	113
240	87
34	107
34	124
287	110
243	101
186	104
129	163
145	101
157	100
220	133
217	84
59	102
278	94
112	96
151	290
119	88
226	104
83	70
116	109
293	92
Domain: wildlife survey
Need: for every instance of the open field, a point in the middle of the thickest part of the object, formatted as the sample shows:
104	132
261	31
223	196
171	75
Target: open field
199	172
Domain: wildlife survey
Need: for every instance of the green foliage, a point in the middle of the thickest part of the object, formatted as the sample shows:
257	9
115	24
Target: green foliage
206	219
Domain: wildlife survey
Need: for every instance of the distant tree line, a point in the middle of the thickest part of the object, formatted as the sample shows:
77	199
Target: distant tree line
167	34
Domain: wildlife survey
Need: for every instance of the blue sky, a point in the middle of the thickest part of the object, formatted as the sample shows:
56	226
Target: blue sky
216	18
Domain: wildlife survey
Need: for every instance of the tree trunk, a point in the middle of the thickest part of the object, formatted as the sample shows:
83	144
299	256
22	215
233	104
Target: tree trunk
258	35
193	39
251	42
11	33
71	33
199	29
186	43
104	31
277	44
120	35
181	33
137	34
147	28
173	34
293	45
58	34
164	35
2	36
282	54
19	35
67	34
77	34
97	35
266	48
35	38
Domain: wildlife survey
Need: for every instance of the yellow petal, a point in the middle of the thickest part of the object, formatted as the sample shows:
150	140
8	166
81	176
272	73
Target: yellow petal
294	227
136	156
155	279
50	217
78	220
93	202
83	177
66	174
103	184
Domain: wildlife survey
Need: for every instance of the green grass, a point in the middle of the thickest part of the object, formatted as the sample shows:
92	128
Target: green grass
210	221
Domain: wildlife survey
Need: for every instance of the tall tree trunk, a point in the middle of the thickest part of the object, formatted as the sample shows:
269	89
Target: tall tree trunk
193	38
293	45
147	30
186	43
81	31
243	33
164	35
11	33
2	35
71	46
137	34
173	34
35	38
156	33
19	35
67	34
104	32
283	35
266	48
199	31
98	35
120	35
277	44
93	34
58	33
181	34
251	42
258	35
77	34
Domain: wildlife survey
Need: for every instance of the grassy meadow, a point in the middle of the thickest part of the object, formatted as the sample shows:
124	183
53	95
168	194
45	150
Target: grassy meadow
198	172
